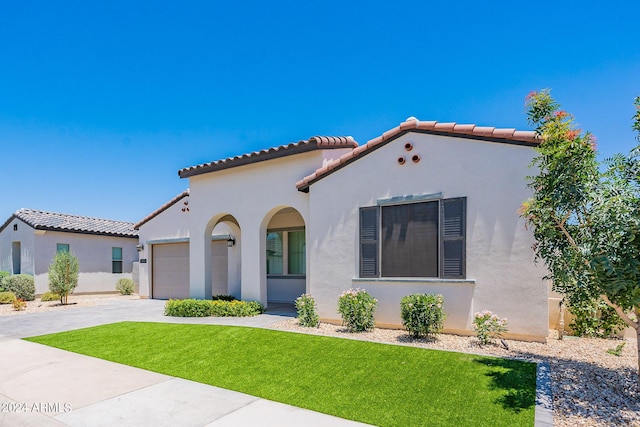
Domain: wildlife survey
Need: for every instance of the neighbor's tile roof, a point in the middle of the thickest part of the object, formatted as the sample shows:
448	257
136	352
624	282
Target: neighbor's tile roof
161	209
313	143
412	124
42	220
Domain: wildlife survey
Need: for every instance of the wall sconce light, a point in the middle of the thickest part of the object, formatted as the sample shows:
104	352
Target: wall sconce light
231	241
139	248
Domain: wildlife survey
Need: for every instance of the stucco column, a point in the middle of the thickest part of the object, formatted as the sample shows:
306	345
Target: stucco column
254	282
199	264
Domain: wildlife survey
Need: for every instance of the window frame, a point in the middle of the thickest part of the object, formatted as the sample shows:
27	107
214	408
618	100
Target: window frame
451	237
285	252
115	260
63	247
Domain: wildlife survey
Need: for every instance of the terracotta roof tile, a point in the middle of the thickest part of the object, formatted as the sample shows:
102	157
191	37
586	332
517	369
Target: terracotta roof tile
42	220
162	209
313	143
411	125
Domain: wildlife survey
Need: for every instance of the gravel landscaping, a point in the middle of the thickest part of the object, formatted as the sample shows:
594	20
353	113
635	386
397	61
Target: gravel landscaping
590	386
38	306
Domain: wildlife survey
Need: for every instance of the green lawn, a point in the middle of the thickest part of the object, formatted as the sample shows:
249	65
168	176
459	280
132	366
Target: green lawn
380	384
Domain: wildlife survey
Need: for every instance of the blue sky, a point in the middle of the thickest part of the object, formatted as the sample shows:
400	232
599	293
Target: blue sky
102	102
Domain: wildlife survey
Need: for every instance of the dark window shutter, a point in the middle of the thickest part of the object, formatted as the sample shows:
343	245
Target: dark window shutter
453	238
369	241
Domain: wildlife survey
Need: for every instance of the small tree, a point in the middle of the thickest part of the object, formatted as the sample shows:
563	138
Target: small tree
586	223
63	275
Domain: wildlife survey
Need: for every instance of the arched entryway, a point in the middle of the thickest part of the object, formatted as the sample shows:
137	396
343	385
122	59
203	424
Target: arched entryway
222	262
285	255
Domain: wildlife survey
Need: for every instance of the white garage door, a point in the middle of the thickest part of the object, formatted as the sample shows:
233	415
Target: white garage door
170	271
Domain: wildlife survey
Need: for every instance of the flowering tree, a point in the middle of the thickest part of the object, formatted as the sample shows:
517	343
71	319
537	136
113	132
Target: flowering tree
586	223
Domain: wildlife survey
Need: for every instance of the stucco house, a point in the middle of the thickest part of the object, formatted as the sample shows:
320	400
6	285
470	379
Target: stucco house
106	249
425	207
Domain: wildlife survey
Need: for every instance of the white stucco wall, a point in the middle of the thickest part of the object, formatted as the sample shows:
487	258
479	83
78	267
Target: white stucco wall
500	273
38	248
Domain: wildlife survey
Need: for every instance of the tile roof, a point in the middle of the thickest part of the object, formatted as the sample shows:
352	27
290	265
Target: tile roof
511	136
313	143
42	220
161	209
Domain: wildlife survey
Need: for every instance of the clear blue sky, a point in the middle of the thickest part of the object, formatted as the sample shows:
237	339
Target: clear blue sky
101	102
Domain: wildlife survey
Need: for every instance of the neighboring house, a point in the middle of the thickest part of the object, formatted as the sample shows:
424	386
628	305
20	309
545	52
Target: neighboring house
426	207
106	249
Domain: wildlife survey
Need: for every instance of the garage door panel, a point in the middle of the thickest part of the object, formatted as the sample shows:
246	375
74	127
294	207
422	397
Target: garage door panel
171	271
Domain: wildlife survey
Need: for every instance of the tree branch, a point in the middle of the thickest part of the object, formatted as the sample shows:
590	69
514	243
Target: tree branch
622	314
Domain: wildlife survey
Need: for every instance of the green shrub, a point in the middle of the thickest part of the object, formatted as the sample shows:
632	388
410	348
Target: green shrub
7	297
306	307
223	297
356	307
63	275
422	314
3	274
49	296
217	308
488	326
594	318
125	286
22	285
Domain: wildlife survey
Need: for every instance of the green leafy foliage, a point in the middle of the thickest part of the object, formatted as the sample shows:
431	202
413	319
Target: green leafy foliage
422	314
125	286
63	275
217	308
22	285
594	318
618	350
488	326
49	296
307	315
7	297
3	274
357	307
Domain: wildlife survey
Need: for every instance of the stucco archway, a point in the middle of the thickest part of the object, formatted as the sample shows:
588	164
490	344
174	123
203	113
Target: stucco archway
222	263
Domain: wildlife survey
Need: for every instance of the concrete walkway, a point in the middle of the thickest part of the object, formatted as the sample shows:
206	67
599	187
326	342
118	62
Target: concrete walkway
43	386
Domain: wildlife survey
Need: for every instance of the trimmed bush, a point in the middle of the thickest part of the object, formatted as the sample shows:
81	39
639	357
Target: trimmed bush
3	274
49	296
125	286
488	326
223	297
356	307
306	307
422	314
207	308
7	297
22	285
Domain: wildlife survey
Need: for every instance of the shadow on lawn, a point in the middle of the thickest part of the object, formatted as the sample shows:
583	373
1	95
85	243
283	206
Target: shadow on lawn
514	379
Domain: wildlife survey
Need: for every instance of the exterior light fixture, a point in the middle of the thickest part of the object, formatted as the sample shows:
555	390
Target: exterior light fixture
140	248
231	241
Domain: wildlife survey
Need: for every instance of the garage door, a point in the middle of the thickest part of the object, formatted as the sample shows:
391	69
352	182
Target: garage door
170	271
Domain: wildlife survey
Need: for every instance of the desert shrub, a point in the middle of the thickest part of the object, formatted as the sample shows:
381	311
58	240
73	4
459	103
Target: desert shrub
594	318
49	296
357	307
7	297
63	275
22	285
125	286
223	297
19	304
206	308
422	314
306	307
3	274
488	326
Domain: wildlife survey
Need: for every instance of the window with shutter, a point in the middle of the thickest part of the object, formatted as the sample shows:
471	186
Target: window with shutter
369	241
452	238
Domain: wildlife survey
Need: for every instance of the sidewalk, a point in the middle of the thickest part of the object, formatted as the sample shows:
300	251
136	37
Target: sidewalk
43	386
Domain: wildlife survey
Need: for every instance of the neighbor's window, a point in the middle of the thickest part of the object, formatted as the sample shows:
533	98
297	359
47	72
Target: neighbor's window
424	239
289	242
62	247
116	260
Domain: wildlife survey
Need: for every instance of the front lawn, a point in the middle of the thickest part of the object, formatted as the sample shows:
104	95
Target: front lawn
380	384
